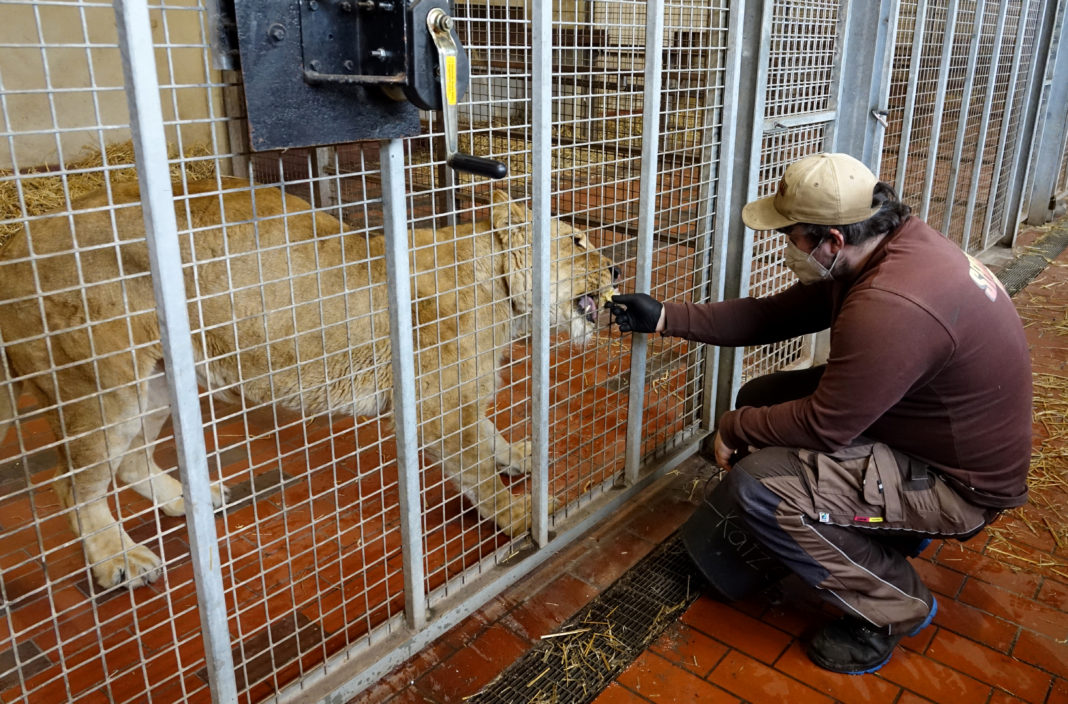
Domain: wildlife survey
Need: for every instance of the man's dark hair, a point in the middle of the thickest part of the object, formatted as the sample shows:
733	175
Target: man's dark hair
892	212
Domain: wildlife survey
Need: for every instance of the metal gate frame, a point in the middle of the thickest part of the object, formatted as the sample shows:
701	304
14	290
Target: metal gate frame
331	682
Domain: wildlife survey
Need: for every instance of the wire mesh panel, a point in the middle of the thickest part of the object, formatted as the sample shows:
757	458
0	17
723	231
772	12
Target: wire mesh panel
75	358
1003	53
802	55
1001	222
283	263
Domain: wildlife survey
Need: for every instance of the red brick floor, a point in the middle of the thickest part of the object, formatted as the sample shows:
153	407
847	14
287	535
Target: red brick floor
1000	636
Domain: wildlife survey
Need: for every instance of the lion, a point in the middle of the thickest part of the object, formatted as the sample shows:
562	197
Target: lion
285	308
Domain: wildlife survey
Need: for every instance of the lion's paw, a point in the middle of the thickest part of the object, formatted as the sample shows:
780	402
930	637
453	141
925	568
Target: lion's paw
517	518
176	507
219	494
518	461
136	567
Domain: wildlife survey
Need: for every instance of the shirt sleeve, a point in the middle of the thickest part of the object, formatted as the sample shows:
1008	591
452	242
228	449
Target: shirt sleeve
882	345
799	310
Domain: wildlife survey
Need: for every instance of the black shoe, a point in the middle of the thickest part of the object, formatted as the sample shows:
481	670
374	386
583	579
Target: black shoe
853	646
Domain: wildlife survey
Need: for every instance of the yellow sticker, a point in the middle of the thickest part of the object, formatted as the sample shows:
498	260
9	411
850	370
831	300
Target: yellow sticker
450	79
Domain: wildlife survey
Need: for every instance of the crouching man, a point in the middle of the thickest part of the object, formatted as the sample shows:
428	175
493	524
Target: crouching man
917	427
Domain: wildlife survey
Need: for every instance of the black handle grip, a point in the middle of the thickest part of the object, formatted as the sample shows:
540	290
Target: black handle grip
478	165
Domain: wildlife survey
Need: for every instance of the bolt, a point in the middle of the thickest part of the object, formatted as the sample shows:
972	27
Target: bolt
382	54
313	5
277	32
366	4
314	65
346	7
385	6
445	22
349	64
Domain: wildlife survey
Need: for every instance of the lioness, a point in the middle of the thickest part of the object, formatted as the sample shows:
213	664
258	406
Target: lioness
283	310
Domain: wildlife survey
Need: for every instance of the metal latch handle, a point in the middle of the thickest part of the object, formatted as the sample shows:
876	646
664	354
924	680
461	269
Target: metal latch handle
440	25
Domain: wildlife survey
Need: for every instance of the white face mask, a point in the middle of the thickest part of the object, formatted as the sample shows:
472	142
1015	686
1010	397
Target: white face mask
805	266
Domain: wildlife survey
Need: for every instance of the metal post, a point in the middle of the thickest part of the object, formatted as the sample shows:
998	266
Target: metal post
880	85
161	228
738	119
984	125
736	265
940	101
654	58
1052	128
541	190
910	97
398	277
962	121
1003	136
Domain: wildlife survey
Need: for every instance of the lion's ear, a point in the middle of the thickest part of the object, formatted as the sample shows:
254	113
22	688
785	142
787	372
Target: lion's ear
506	212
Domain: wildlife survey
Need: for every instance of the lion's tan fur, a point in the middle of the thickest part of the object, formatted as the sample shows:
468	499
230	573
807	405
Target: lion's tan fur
284	309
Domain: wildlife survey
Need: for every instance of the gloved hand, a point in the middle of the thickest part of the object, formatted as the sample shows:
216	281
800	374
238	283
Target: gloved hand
635	312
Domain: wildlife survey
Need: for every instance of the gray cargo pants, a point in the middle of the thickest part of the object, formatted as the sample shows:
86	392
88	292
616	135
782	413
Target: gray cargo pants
846	521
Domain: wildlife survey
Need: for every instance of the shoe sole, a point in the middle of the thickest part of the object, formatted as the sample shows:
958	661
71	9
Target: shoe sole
926	622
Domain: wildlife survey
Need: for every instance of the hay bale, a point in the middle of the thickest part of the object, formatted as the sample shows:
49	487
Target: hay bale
42	188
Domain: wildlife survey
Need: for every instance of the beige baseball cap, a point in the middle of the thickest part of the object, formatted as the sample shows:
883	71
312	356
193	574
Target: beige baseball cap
822	189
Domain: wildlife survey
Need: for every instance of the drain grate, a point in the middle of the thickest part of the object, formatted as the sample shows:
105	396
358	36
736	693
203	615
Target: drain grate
591	649
1024	268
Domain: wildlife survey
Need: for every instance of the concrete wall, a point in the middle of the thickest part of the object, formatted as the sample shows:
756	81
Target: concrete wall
63	83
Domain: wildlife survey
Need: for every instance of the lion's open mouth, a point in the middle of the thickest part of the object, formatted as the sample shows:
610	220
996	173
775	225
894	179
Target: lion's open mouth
587	307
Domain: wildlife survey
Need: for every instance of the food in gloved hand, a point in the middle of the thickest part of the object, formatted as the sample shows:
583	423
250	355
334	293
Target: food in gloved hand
590	308
607	296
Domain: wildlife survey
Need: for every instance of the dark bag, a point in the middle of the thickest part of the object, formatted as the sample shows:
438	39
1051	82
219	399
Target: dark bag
730	558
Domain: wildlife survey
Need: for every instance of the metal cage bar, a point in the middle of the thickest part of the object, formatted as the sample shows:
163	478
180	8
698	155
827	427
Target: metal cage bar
984	125
146	119
939	103
400	327
962	122
654	45
905	142
541	192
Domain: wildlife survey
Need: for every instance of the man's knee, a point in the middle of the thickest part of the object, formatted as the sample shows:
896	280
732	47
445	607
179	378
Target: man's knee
745	484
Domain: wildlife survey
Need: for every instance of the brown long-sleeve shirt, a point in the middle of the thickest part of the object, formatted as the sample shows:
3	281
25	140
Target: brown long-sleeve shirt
927	355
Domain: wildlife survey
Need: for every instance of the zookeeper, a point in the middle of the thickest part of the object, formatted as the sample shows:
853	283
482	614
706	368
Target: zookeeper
918	426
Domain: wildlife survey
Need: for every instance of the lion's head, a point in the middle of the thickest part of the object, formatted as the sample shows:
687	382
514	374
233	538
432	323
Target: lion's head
581	279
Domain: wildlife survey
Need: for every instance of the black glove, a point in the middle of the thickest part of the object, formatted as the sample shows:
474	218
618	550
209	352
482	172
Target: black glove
635	312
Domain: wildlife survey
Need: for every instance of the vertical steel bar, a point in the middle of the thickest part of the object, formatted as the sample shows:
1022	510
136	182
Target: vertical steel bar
984	125
541	191
1048	30
885	42
398	277
962	121
734	111
654	59
910	97
715	184
161	227
1051	130
738	266
940	101
1003	137
848	36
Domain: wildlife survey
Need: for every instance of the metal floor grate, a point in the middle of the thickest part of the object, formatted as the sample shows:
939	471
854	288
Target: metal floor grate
1025	267
597	644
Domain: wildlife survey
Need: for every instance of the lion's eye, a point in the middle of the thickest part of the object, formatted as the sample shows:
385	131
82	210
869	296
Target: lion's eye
579	242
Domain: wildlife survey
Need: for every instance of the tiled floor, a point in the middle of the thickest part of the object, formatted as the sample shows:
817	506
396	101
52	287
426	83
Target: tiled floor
1000	636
